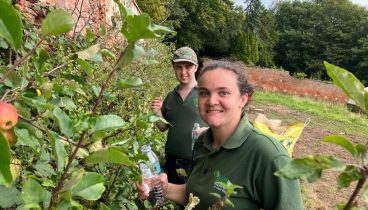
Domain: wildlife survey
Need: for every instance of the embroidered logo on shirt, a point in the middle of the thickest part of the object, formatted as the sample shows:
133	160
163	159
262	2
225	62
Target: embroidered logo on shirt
218	180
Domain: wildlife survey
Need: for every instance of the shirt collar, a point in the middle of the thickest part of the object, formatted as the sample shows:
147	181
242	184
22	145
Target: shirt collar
178	86
236	139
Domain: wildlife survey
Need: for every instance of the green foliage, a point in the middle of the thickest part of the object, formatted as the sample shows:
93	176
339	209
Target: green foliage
109	155
224	200
57	22
83	111
5	175
254	45
300	75
155	8
216	19
313	31
351	86
247	47
311	167
10	24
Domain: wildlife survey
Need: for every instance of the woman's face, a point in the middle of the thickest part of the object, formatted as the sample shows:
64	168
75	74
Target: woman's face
220	102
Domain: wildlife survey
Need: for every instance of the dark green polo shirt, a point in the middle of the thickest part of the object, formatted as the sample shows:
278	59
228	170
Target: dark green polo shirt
181	115
247	159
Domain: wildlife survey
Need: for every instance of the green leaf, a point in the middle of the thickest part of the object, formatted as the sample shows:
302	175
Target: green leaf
3	44
310	167
85	67
108	122
64	122
138	27
138	53
89	53
25	138
109	155
154	118
9	196
70	184
96	90
229	203
108	53
131	82
102	30
103	206
33	192
124	12
365	193
162	29
126	57
64	102
57	22
218	196
10	24
362	151
42	57
350	174
343	142
44	169
68	204
90	187
5	175
58	150
351	86
13	79
32	206
90	36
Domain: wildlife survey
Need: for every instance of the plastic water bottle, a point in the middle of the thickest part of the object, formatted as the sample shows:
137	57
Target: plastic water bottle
150	170
194	134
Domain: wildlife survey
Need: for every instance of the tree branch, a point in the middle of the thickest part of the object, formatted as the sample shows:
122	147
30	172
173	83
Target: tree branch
18	62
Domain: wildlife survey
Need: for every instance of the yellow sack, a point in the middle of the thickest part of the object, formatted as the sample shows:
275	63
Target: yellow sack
288	138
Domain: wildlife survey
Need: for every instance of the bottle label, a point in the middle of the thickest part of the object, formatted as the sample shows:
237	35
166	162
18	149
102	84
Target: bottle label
158	167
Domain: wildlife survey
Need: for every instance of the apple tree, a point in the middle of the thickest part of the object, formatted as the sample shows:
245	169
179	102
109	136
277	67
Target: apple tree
75	149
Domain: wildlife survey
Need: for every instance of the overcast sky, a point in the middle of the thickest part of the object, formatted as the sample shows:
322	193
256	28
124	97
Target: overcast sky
268	3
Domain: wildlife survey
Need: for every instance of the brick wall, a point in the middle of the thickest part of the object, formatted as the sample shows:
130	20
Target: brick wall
89	13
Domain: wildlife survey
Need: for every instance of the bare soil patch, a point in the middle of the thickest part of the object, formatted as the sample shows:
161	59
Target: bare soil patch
280	81
323	194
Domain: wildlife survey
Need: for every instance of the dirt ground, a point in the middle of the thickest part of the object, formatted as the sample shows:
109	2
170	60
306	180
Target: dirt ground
323	194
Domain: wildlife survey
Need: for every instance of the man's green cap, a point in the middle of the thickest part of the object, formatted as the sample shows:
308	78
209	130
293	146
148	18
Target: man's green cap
185	54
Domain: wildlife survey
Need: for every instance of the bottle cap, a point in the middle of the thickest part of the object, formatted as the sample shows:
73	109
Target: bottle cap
196	125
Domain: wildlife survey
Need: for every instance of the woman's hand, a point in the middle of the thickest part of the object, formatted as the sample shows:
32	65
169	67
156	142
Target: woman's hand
143	189
164	182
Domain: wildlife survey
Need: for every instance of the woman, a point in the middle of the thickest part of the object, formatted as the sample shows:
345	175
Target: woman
232	150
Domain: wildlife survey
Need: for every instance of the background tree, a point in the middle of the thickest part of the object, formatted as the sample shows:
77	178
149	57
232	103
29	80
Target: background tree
313	31
255	44
209	26
166	12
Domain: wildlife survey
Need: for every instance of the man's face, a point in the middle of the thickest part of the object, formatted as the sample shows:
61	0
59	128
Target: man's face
185	72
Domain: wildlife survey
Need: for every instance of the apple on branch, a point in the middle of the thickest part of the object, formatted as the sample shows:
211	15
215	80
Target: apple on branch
8	119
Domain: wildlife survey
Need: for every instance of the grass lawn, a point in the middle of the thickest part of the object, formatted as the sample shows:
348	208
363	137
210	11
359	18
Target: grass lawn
332	116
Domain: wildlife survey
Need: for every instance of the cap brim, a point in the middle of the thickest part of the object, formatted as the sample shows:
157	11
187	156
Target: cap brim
184	60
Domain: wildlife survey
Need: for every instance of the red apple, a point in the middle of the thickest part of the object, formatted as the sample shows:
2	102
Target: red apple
8	116
10	136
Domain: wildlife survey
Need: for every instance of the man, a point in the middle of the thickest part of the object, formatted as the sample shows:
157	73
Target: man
180	109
